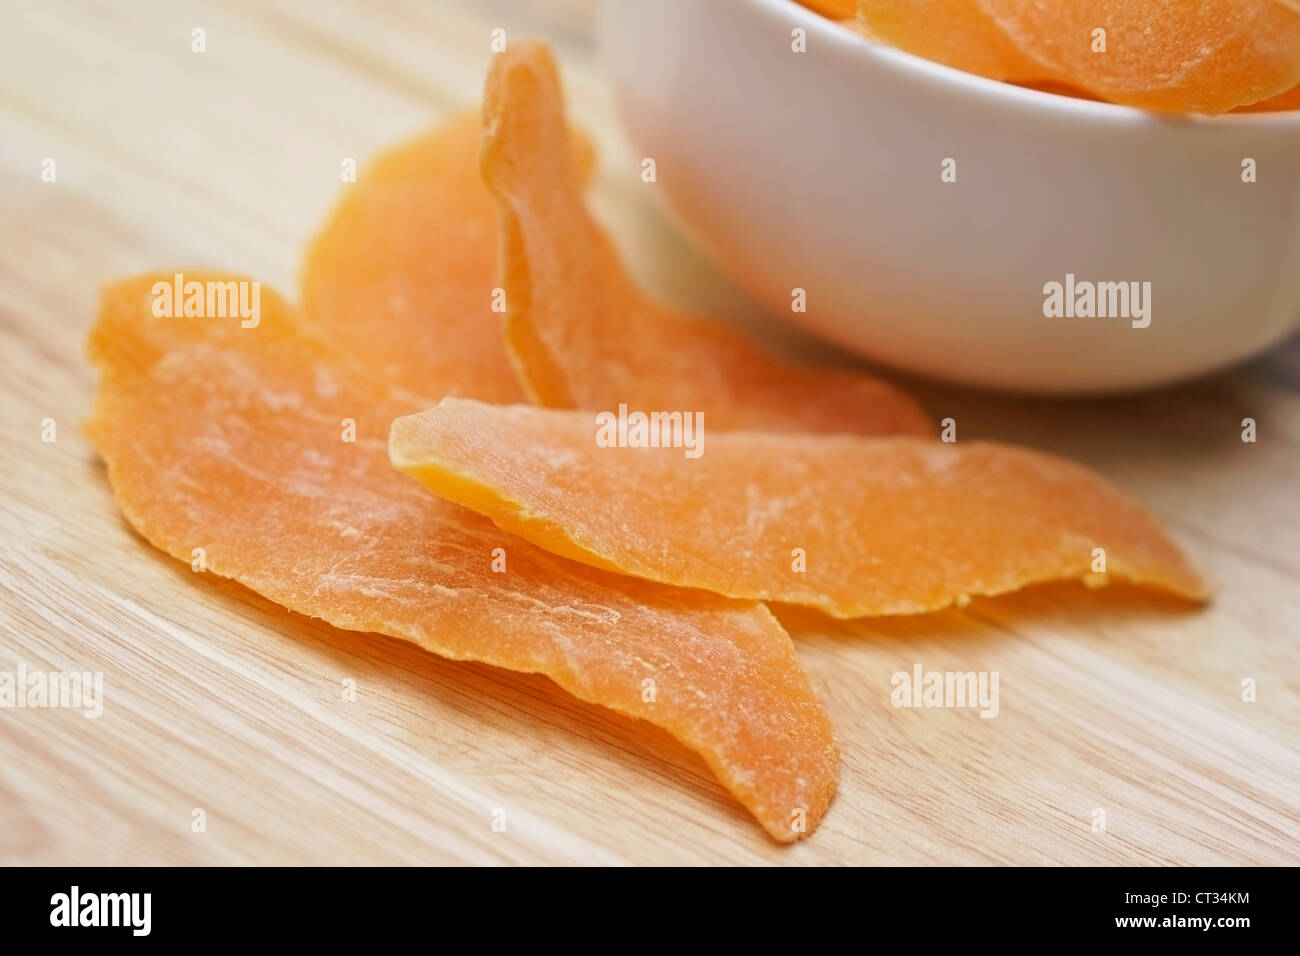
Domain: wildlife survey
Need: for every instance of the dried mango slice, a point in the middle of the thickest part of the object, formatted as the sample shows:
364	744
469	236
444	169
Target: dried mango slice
835	9
581	332
401	277
853	526
1290	100
234	440
1172	55
956	33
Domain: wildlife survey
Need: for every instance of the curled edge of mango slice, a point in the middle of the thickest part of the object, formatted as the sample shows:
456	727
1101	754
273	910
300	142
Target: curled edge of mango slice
399	276
583	335
228	439
848	525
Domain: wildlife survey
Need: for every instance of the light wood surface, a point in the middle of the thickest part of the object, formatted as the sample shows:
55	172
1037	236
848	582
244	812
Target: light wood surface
218	699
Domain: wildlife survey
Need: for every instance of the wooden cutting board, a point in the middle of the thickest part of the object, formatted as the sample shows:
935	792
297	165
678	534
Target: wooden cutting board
216	699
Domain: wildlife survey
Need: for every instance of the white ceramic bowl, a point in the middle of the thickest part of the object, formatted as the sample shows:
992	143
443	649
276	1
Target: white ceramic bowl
821	170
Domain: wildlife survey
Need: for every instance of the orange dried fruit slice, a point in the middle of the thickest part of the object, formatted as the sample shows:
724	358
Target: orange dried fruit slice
850	525
401	277
1171	55
956	33
835	9
583	335
234	440
1290	100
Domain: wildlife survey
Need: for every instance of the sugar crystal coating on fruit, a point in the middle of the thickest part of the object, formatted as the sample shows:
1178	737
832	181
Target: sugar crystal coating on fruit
583	335
850	525
236	440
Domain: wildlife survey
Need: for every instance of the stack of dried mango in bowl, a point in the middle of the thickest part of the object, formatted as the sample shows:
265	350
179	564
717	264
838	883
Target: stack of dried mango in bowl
478	434
1178	56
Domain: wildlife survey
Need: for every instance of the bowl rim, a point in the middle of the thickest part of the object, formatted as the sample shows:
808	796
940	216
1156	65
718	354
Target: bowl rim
972	85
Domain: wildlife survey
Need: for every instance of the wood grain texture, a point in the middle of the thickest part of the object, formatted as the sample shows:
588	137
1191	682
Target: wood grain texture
218	699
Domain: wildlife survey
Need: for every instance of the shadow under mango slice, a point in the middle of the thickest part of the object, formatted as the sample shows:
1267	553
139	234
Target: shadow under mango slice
583	335
231	440
884	525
